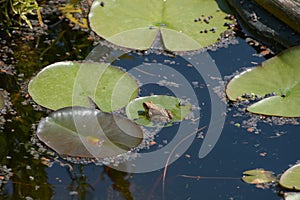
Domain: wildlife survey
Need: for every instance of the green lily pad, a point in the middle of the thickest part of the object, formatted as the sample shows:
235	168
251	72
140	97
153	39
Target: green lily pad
178	108
88	133
258	176
291	178
291	196
67	83
181	25
279	75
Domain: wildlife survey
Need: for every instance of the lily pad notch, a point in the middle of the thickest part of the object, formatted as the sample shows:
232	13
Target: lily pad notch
276	81
137	24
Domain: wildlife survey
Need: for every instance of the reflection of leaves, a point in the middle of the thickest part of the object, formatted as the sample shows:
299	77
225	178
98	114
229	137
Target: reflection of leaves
279	75
83	132
182	25
28	172
2	101
291	178
79	183
70	10
258	176
120	183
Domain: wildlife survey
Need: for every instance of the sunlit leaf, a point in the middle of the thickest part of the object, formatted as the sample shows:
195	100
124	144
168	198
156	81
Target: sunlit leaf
258	176
291	178
181	25
279	75
84	132
66	84
178	108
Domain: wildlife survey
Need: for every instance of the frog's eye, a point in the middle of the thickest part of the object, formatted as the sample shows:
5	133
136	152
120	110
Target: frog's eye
145	106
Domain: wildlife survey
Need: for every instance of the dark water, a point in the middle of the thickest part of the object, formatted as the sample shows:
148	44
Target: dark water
220	171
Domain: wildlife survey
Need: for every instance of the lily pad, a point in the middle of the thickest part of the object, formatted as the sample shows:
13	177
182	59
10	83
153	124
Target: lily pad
279	75
258	176
291	178
65	84
136	24
88	133
178	108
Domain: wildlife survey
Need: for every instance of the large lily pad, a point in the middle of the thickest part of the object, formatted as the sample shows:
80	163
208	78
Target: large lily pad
178	108
66	84
84	132
279	75
291	178
182	25
258	176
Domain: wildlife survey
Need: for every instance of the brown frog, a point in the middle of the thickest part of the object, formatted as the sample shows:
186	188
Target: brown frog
156	113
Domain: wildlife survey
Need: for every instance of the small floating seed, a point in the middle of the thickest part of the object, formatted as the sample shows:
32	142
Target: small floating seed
206	20
102	3
197	19
213	29
227	24
230	17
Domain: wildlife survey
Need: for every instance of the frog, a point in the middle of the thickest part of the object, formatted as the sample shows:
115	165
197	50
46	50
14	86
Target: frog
156	113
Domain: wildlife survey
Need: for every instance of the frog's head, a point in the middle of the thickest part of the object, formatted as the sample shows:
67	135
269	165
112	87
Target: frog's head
147	105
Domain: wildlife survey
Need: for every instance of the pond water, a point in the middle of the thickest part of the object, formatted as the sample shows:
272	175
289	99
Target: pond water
216	176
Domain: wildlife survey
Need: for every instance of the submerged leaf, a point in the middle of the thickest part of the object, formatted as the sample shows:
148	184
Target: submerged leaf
66	84
258	176
83	132
70	10
291	178
180	25
279	75
177	108
2	100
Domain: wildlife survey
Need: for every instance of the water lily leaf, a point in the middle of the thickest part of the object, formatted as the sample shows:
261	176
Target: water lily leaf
181	25
258	176
291	178
279	75
90	133
178	108
66	84
291	196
